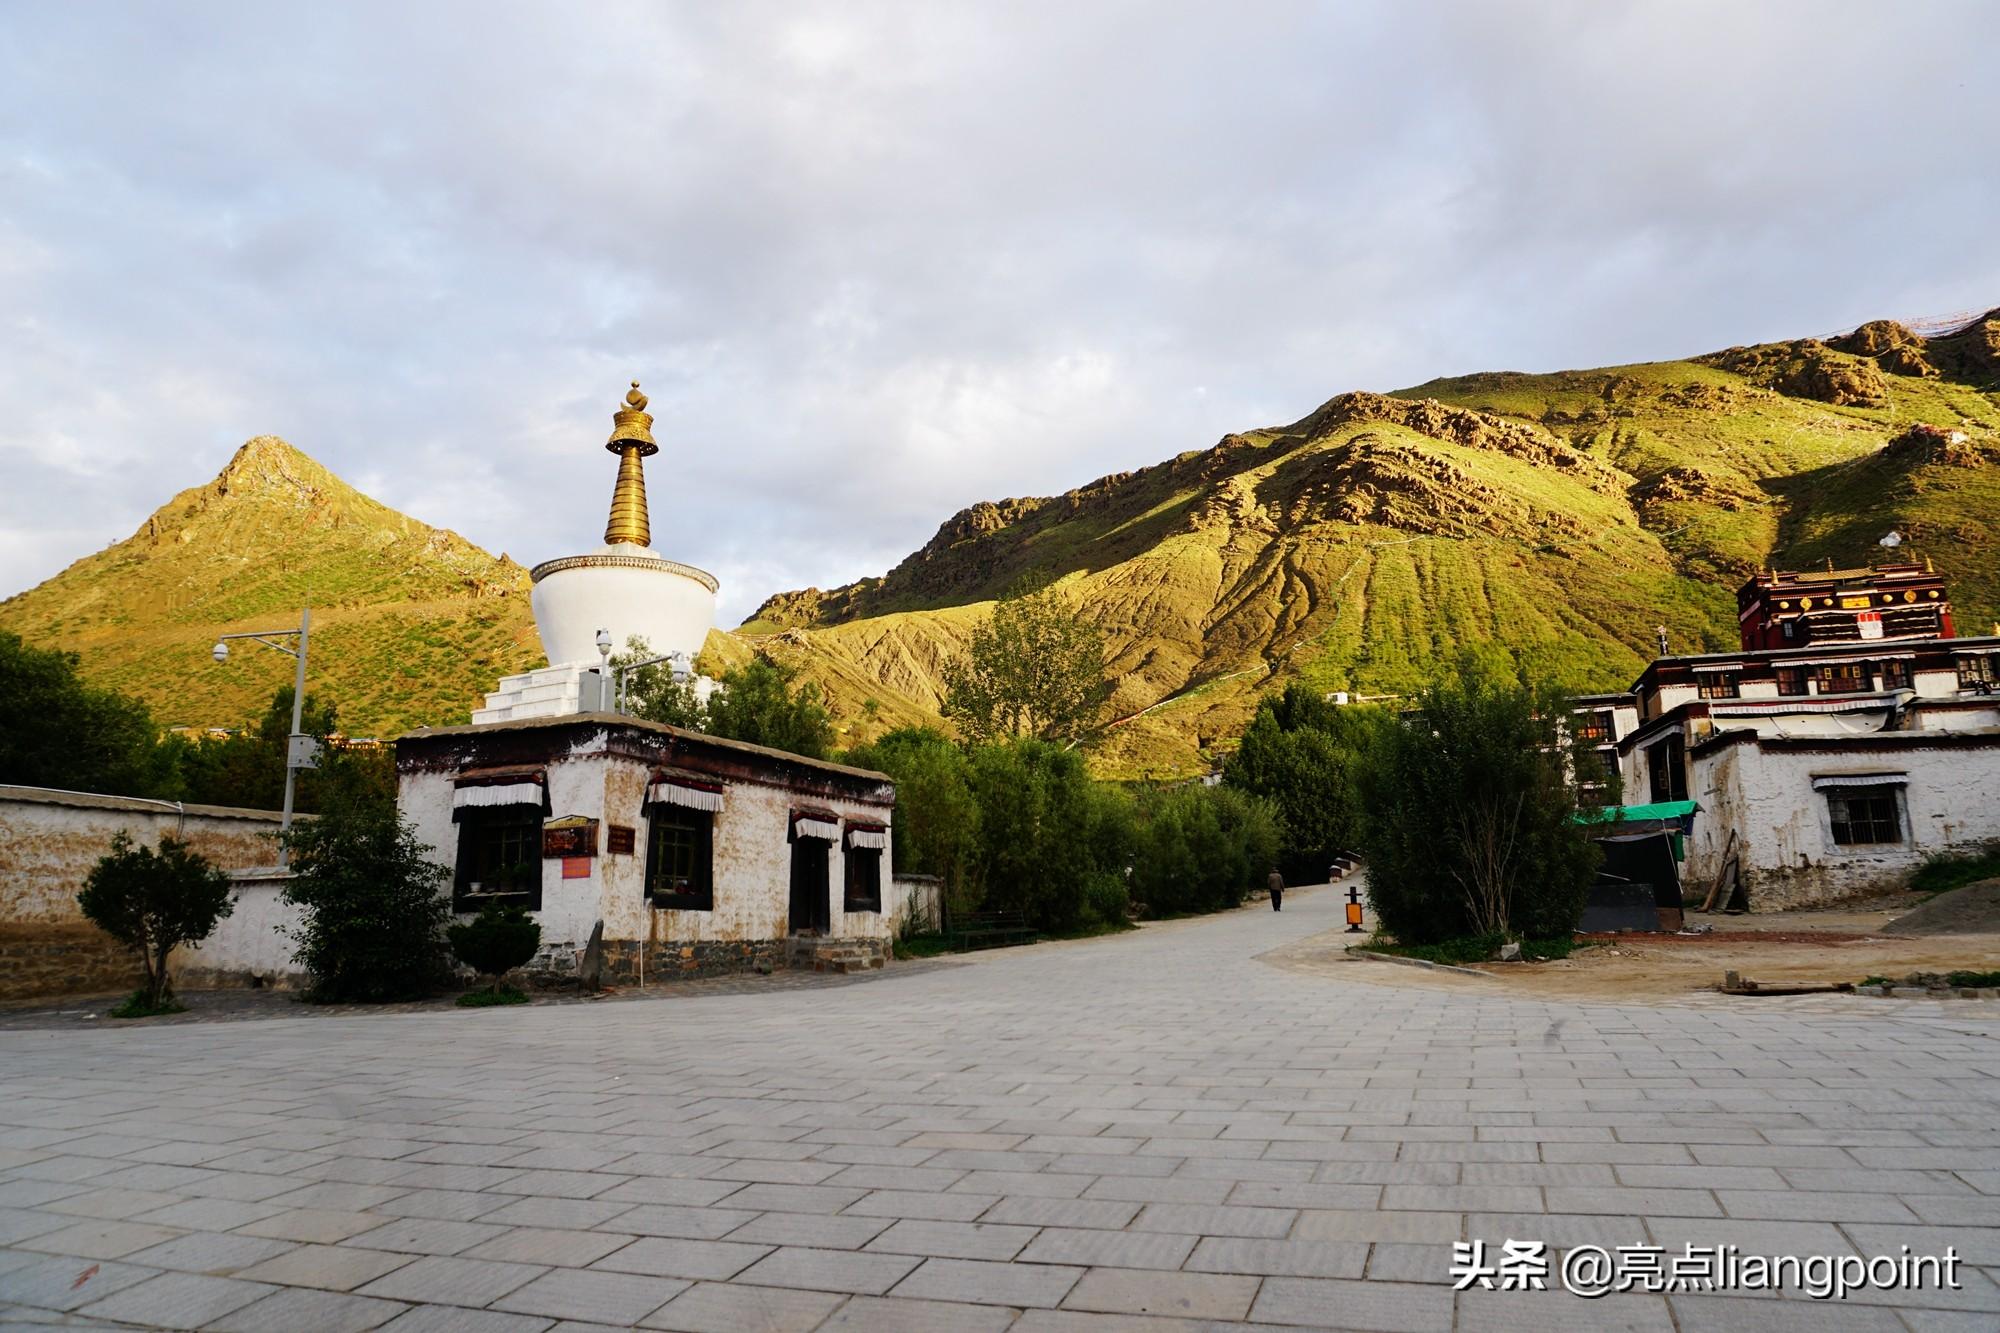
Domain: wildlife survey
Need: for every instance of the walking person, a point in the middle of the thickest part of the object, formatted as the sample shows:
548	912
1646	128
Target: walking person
1277	884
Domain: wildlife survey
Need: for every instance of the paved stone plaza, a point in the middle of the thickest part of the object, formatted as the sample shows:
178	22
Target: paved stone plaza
1156	1131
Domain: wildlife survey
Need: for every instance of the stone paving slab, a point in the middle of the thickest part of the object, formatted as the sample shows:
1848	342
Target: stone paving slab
1150	1133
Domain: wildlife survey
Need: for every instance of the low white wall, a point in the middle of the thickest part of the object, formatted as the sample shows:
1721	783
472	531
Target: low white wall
49	840
253	944
915	901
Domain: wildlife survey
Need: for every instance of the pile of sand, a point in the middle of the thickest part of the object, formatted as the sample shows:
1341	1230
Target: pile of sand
1972	910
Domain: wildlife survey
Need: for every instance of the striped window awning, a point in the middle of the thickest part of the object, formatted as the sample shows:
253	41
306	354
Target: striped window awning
671	789
485	788
868	835
815	824
1830	780
1720	666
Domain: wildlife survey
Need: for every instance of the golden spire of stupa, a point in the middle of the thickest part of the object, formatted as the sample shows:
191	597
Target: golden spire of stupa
632	440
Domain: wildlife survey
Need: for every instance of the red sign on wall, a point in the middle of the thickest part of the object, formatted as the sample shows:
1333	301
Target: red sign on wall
576	867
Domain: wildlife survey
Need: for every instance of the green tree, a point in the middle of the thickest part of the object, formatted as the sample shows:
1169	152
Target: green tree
1035	669
1201	849
57	731
1467	811
1036	850
372	903
1304	754
652	692
765	703
247	769
937	817
154	902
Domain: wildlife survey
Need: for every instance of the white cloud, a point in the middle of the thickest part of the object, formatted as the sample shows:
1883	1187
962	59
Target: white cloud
877	261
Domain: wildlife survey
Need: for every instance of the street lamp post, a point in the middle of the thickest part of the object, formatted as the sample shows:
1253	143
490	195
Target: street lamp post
298	748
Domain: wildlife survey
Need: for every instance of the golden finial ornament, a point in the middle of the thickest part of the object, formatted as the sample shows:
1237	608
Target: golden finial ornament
631	439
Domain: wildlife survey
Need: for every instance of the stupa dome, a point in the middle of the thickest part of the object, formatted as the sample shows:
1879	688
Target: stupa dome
624	586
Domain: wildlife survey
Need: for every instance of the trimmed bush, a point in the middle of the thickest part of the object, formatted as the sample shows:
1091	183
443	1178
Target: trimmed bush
496	942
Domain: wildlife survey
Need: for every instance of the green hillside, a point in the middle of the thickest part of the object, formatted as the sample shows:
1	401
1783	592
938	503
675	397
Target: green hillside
1563	515
410	623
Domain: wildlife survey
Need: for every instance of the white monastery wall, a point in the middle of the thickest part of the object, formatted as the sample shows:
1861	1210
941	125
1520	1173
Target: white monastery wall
1785	836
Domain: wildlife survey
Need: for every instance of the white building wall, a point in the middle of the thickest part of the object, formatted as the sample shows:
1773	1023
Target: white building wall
752	861
1784	837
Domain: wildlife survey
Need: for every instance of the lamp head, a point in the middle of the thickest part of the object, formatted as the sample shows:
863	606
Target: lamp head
604	641
220	652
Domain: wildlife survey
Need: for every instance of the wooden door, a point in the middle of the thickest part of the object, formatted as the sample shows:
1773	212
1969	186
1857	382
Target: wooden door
812	900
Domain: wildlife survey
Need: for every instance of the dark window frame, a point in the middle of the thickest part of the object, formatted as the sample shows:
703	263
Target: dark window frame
1791	682
861	865
1842	677
1595	724
489	838
1895	673
680	858
1720	684
1975	670
1857	815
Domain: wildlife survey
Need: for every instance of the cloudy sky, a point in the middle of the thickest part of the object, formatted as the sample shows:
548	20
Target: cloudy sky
875	262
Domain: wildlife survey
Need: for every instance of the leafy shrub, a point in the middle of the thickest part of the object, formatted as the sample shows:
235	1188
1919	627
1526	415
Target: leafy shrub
1468	811
141	1005
1457	952
1942	871
1037	811
373	914
485	998
1201	849
496	942
1106	902
154	901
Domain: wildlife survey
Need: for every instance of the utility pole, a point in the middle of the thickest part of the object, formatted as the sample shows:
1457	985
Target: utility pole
301	751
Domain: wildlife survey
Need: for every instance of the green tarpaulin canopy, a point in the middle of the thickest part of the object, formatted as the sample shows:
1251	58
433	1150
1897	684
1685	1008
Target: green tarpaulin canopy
1632	813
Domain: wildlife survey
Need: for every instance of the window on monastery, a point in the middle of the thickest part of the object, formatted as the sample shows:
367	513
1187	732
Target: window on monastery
1666	770
1843	678
499	858
863	883
680	859
1976	673
1593	726
1719	684
1864	815
1791	680
1895	674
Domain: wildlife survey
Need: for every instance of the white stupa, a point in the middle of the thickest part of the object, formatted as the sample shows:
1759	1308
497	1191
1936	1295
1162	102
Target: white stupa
624	588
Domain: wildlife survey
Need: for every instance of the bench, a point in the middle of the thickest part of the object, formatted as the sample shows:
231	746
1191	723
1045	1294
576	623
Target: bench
980	930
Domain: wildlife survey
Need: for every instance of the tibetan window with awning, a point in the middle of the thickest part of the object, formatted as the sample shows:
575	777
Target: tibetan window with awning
680	842
821	824
499	815
862	869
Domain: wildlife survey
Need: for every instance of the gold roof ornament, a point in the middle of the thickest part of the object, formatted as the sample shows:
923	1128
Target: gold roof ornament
631	439
632	427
